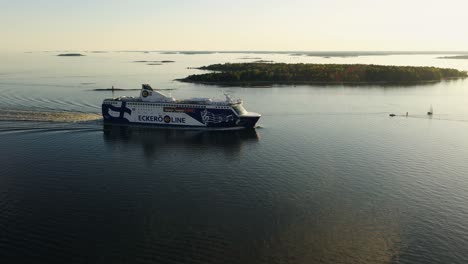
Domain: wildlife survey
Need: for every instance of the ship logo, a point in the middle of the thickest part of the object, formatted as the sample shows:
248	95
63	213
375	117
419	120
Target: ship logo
167	119
209	117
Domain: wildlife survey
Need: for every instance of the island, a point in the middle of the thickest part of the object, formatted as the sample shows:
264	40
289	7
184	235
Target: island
460	57
196	52
163	61
70	55
301	73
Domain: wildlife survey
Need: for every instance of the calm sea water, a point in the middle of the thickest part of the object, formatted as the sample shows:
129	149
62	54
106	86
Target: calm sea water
327	177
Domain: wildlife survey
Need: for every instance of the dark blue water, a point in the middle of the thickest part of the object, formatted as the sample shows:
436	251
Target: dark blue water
328	177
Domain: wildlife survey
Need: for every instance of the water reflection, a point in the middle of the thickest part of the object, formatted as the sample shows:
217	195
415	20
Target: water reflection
156	141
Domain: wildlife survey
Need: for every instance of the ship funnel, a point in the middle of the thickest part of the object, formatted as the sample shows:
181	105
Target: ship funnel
146	87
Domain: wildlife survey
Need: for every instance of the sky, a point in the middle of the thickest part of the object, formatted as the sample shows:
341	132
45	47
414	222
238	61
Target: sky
287	25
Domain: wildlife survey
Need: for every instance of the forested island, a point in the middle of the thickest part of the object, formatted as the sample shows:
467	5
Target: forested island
300	73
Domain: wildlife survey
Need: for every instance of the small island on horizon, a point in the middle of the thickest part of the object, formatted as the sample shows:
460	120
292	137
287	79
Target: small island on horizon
459	57
70	55
301	73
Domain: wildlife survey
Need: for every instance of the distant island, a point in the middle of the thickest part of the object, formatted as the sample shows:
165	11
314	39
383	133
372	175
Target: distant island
460	57
329	54
162	61
196	52
70	55
300	73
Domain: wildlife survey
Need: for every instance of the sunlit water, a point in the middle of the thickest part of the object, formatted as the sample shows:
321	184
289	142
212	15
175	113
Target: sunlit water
328	177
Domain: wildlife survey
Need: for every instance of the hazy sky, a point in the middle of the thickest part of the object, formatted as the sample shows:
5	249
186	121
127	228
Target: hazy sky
233	25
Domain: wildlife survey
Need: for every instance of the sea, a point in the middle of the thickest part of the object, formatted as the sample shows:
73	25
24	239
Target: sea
327	176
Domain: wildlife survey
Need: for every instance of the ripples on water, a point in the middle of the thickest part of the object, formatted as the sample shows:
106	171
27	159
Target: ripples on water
196	196
327	177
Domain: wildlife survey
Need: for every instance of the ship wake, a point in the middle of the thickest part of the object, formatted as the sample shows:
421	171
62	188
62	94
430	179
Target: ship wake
47	116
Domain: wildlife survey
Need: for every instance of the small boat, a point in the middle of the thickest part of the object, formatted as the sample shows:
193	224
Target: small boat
431	111
392	115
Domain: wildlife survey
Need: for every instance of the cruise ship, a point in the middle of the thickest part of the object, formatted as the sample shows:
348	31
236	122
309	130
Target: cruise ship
153	108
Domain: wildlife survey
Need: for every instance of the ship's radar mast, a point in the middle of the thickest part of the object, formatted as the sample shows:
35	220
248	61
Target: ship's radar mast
228	98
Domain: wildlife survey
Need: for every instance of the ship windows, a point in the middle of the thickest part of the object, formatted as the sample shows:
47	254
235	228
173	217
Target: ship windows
239	109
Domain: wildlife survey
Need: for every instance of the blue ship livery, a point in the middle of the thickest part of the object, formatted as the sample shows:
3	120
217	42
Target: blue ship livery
152	108
110	108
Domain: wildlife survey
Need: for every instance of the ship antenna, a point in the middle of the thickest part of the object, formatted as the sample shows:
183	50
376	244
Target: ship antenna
228	97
